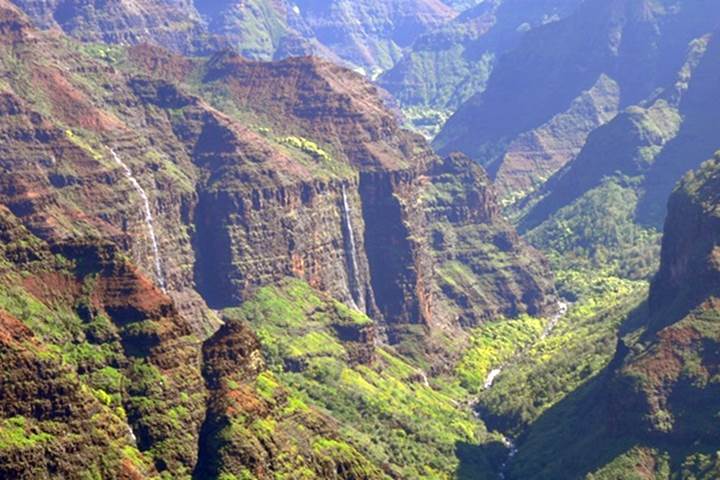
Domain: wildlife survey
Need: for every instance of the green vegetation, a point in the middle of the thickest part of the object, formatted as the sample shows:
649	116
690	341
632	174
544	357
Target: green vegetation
432	81
91	357
310	155
82	143
635	464
307	146
388	411
599	230
385	408
276	433
426	121
290	324
581	345
15	433
112	54
493	345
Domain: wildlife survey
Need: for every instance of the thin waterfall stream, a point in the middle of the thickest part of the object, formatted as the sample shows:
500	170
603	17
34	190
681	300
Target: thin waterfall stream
351	253
149	220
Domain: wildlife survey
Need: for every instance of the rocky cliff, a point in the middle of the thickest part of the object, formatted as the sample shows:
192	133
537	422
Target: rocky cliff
98	362
307	175
671	369
94	359
153	190
254	422
404	191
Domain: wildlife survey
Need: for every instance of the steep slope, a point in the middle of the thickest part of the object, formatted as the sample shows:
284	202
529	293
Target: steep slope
328	355
309	176
628	167
95	360
219	178
384	174
566	79
369	34
67	143
258	428
372	34
450	64
263	30
653	410
175	25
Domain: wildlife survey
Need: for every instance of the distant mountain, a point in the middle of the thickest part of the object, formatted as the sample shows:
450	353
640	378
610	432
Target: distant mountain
450	64
624	174
368	34
568	78
173	24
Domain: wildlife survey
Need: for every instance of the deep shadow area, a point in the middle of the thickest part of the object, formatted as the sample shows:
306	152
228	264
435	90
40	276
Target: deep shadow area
576	436
480	461
608	416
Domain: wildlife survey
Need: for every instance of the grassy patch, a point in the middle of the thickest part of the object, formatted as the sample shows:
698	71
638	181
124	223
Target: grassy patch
386	408
493	344
16	433
581	345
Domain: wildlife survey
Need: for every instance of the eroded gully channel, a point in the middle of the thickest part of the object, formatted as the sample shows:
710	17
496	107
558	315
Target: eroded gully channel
495	373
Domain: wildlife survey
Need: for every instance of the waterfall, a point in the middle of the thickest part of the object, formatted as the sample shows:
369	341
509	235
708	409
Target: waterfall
490	380
149	220
555	319
351	253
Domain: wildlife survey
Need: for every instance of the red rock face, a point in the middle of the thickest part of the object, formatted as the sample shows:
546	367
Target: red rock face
13	330
242	393
233	205
92	299
329	103
667	383
396	170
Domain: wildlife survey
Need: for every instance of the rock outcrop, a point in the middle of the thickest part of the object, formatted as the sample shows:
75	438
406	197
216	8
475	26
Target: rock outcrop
253	422
97	362
401	191
671	370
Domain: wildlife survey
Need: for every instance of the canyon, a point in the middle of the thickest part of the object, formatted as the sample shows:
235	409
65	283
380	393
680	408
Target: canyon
224	256
219	176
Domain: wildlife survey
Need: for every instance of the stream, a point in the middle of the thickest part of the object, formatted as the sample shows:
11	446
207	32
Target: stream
495	372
